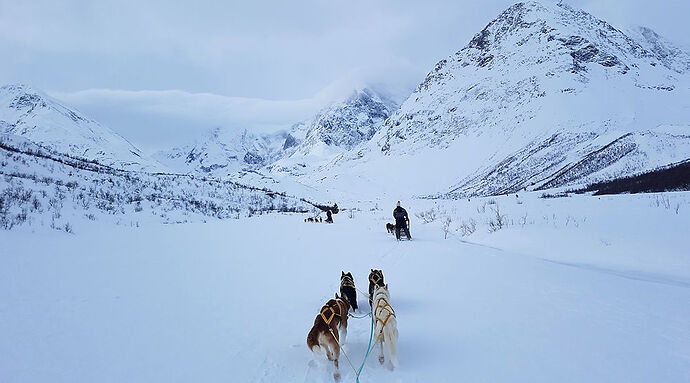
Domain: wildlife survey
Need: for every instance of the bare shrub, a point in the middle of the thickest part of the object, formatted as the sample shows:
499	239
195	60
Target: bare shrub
427	216
467	228
523	220
498	221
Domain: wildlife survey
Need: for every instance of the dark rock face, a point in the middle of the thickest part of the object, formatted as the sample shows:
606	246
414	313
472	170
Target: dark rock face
290	141
253	158
480	40
585	54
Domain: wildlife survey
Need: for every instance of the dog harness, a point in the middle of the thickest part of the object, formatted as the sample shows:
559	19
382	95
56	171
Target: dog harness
325	309
383	304
327	313
375	278
347	281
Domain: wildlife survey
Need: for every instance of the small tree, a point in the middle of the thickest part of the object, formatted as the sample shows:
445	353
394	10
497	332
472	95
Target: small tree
446	227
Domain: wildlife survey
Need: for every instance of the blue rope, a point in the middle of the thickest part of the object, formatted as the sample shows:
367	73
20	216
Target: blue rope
371	335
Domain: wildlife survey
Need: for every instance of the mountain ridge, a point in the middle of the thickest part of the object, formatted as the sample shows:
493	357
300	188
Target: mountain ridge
32	114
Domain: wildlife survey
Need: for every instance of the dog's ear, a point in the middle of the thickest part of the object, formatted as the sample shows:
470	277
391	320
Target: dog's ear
342	273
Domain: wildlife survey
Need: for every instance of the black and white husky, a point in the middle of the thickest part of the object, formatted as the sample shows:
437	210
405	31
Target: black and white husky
386	328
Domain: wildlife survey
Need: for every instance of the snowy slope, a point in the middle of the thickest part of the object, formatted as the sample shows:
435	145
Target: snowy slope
583	292
44	189
544	96
224	151
32	114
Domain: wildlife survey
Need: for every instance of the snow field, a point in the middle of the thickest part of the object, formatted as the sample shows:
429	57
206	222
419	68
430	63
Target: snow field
234	300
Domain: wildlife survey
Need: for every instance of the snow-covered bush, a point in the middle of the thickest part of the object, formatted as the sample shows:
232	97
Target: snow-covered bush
497	222
428	216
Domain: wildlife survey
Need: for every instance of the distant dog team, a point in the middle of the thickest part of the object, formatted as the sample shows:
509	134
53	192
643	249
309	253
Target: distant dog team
329	331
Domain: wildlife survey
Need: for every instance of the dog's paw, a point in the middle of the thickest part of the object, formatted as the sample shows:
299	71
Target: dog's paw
381	360
336	376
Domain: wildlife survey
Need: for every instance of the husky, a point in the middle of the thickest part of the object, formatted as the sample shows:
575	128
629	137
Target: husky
390	228
347	289
329	331
386	329
375	278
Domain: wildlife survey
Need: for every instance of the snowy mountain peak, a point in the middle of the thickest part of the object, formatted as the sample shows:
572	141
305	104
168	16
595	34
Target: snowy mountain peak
32	114
666	52
578	34
24	98
544	96
347	123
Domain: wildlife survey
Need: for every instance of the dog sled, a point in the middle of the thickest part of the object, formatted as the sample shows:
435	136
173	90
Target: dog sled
404	233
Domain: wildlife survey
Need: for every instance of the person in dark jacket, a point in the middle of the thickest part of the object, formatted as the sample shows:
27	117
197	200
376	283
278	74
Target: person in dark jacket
402	221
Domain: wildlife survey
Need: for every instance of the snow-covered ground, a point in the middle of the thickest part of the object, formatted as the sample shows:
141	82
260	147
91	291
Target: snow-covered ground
582	289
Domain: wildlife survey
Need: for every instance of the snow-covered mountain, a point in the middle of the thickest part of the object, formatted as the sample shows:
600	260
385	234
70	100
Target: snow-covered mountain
222	152
336	129
32	114
544	96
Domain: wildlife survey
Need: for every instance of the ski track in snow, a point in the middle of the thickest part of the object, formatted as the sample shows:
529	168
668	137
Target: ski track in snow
234	300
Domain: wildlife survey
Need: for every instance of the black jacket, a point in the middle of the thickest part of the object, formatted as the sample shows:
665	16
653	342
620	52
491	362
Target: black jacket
400	216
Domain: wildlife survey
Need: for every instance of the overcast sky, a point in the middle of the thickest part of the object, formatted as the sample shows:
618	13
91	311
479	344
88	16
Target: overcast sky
160	72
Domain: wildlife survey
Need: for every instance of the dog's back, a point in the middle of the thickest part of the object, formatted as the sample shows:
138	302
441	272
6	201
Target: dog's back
375	278
386	323
348	290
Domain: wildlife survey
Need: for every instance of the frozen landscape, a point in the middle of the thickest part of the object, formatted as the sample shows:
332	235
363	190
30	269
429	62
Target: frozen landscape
545	167
583	289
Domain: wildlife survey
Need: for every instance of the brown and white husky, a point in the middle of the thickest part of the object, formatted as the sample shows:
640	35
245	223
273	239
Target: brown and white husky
386	328
330	330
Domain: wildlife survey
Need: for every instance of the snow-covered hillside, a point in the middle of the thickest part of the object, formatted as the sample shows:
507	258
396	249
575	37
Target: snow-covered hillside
32	114
44	189
544	96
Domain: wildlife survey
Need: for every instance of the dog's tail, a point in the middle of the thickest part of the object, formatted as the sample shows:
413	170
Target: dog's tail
390	337
313	342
